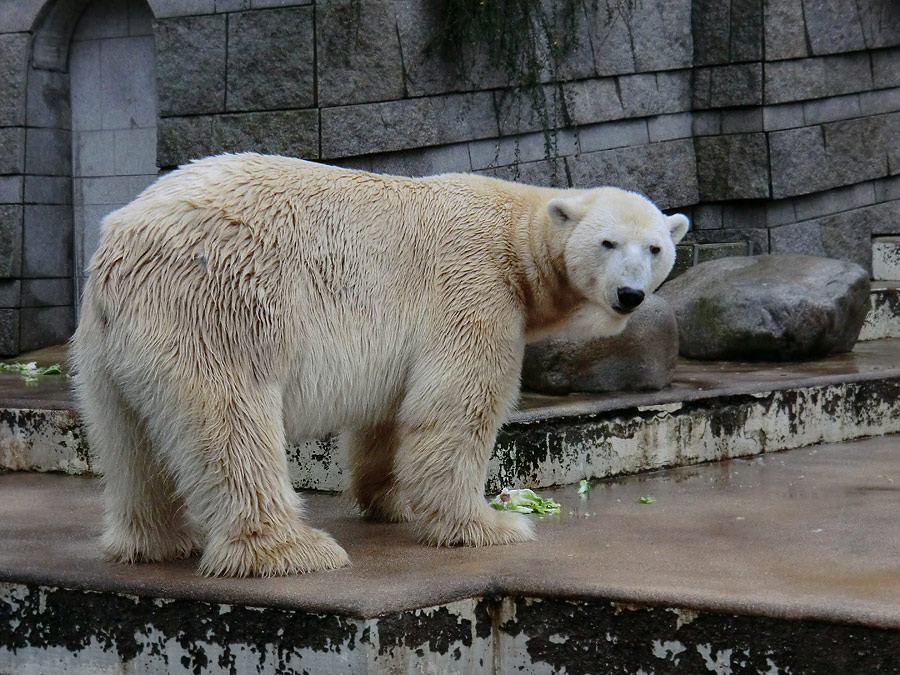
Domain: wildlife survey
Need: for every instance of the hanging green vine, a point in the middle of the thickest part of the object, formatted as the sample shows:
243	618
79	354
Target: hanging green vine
523	41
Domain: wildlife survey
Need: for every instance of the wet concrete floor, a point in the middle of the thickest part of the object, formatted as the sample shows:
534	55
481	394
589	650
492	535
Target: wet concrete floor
810	533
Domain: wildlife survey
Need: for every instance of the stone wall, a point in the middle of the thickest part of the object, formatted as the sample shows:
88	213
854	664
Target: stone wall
774	124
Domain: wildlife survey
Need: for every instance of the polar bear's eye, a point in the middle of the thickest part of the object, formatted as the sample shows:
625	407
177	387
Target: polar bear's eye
608	244
655	250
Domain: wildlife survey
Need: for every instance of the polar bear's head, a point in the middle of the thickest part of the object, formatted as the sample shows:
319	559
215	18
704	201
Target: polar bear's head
620	247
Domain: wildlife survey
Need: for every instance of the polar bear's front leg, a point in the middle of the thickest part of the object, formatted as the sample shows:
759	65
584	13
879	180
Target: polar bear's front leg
232	470
447	427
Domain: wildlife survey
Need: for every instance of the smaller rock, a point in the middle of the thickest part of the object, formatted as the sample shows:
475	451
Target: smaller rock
769	307
641	358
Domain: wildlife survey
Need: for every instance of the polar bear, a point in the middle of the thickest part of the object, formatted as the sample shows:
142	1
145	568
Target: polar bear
245	300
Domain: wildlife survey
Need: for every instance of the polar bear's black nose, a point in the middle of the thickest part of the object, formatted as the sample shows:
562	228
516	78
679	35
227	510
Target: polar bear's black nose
630	298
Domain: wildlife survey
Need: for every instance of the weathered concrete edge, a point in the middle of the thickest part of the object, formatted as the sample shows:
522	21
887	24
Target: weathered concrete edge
564	449
481	634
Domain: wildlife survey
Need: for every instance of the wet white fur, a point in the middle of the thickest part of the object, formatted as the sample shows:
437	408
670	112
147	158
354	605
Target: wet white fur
244	300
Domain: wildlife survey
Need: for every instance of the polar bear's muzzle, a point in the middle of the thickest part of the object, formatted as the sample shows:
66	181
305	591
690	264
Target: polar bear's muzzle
628	299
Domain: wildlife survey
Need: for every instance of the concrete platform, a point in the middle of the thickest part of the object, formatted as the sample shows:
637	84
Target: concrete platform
712	411
785	563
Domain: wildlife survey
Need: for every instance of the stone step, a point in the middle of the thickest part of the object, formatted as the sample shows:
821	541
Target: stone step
883	319
713	411
782	563
886	258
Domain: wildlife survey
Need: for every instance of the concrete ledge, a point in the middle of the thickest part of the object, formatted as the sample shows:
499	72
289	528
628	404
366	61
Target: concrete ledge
713	411
784	561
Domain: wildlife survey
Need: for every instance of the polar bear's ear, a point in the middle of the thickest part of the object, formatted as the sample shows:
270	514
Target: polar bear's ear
678	226
565	211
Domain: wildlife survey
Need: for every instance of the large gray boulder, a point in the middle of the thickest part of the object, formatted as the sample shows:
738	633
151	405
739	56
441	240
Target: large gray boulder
769	307
641	358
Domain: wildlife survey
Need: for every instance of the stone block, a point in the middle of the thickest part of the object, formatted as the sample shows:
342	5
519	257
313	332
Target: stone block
399	125
732	167
821	77
266	4
746	43
102	19
11	189
661	35
592	101
785	116
48	152
641	358
45	326
609	31
47	292
742	216
706	217
180	139
9	332
742	120
784	30
12	150
664	172
294	133
711	27
128	82
879	102
111	189
232	6
768	307
728	242
833	27
190	64
655	93
358	53
833	201
48	190
10	293
707	122
892	141
140	18
670	127
94	152
880	23
844	236
818	158
431	67
831	109
883	218
19	16
530	109
886	68
613	135
85	82
728	86
423	162
545	172
527	148
14	54
134	151
48	100
780	212
11	216
887	189
47	243
167	9
271	57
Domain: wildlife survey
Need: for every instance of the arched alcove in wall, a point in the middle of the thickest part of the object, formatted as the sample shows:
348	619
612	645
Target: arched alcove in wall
90	146
112	69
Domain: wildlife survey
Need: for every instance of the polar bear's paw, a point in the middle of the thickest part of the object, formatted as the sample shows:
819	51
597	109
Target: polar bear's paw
488	529
139	543
274	554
